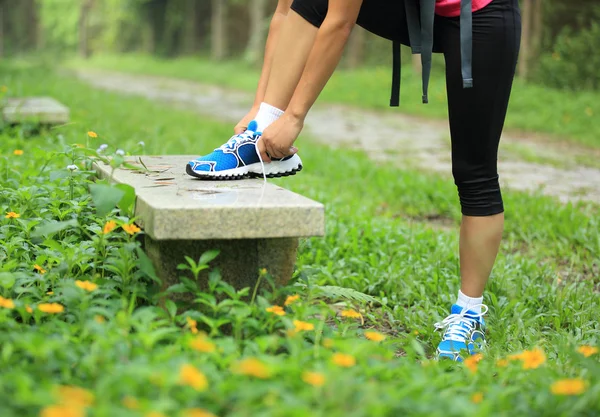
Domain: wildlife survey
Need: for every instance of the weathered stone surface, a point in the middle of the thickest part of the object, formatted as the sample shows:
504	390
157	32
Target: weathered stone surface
171	205
253	225
239	260
37	109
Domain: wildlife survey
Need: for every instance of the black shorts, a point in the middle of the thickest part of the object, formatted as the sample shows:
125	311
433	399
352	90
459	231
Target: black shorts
476	114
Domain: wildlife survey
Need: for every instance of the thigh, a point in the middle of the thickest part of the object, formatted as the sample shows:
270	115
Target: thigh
477	114
385	18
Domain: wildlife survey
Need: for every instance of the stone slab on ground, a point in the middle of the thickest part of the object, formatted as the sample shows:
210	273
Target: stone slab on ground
39	109
254	225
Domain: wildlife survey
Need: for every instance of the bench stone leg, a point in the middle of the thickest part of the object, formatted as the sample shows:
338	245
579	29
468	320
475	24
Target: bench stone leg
239	260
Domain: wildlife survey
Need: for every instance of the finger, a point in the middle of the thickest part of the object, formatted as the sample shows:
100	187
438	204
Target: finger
262	150
293	150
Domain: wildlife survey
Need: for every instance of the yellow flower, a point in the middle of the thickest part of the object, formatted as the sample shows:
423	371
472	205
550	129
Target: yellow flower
188	375
92	134
253	367
6	303
130	402
29	309
302	325
472	361
587	351
197	412
574	386
50	293
154	414
278	310
86	285
109	227
291	299
99	319
62	411
51	308
351	314
477	397
316	379
39	268
75	396
18	152
343	360
12	215
192	324
132	229
531	359
375	336
502	363
201	344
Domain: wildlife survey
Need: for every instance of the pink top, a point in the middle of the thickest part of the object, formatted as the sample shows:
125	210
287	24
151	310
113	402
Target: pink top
451	8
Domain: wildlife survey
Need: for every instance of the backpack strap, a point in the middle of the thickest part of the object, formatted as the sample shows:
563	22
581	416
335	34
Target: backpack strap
396	74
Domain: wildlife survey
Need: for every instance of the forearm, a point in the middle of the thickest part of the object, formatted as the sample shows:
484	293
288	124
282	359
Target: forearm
272	38
323	59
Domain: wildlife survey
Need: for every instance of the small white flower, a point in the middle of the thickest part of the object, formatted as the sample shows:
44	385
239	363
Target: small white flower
72	167
120	152
103	146
141	143
99	150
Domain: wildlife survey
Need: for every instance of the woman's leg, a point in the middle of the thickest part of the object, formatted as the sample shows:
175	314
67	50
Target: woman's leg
476	121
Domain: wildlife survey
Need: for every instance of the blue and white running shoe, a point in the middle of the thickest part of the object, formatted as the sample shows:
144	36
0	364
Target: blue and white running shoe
238	159
464	330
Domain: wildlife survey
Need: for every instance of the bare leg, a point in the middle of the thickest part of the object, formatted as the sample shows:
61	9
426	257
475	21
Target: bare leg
479	244
295	42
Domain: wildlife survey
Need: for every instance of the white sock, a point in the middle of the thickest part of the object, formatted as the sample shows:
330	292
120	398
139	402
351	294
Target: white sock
469	302
266	115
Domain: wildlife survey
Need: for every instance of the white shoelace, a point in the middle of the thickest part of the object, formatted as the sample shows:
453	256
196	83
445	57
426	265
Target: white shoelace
459	326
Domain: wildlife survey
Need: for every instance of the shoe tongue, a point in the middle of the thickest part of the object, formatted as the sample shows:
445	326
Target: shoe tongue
456	309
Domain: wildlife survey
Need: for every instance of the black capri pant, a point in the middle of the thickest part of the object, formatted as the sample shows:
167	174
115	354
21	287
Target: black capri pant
476	114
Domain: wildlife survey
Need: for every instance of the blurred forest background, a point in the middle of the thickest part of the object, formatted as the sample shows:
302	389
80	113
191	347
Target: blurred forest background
561	38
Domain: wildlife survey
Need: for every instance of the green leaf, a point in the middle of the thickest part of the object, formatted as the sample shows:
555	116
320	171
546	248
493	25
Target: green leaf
146	266
171	308
7	280
208	256
51	228
127	203
105	198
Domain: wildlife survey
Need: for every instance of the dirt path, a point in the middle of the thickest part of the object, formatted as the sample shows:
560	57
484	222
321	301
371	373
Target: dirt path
384	136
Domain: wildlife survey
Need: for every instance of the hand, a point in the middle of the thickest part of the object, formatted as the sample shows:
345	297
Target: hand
277	139
242	125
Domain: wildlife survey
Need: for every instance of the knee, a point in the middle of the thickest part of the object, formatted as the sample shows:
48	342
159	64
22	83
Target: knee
313	11
479	195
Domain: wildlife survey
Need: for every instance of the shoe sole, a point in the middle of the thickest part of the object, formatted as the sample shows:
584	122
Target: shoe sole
275	169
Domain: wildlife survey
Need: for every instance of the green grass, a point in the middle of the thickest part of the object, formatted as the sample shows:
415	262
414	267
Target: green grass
543	292
562	115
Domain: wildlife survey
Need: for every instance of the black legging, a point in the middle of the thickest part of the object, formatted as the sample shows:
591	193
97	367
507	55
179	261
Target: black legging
476	114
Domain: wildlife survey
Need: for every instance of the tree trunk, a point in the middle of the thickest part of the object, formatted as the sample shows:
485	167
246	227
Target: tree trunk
356	48
219	29
525	53
537	30
189	37
86	7
256	40
1	28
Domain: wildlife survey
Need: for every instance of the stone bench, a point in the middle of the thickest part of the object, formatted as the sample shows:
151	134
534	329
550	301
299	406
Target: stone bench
44	110
253	225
